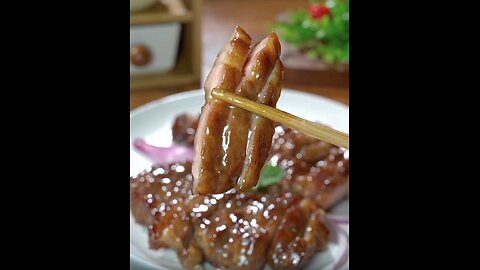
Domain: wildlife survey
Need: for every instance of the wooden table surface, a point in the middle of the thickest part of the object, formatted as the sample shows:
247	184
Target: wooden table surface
219	18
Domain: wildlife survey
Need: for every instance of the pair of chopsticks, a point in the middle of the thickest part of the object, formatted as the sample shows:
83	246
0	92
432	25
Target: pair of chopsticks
315	130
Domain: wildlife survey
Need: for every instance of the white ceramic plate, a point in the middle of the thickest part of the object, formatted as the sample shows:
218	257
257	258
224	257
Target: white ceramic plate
153	123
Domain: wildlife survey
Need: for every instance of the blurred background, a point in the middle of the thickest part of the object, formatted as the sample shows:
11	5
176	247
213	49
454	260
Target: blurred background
173	43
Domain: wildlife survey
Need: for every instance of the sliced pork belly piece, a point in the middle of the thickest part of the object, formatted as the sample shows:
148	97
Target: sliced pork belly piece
237	235
154	189
261	132
175	227
209	146
236	157
327	181
300	234
314	168
262	84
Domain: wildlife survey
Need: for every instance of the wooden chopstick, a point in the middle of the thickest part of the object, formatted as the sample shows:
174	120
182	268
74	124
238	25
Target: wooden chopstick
316	130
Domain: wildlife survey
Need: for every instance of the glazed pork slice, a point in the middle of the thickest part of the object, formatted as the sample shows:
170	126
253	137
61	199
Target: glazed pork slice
162	199
174	227
155	189
238	234
300	234
261	132
273	226
247	148
243	140
315	169
226	73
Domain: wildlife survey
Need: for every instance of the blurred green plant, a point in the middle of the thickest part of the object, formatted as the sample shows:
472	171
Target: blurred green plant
319	32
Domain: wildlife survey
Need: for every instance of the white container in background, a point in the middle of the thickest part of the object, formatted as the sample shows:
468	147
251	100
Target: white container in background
161	41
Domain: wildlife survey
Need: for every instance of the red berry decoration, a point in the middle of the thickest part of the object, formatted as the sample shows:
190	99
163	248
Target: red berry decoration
317	11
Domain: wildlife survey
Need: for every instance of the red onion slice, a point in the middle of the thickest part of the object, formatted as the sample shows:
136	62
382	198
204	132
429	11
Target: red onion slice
337	219
164	155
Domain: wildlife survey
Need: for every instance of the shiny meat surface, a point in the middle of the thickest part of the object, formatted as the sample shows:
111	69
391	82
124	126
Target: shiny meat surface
151	190
281	225
232	144
260	132
299	235
226	73
314	168
238	235
162	199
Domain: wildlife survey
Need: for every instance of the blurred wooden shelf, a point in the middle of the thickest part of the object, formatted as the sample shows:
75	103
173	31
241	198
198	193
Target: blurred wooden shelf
187	68
180	75
160	14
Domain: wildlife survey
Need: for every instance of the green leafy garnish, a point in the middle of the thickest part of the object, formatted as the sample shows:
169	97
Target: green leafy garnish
268	176
322	31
